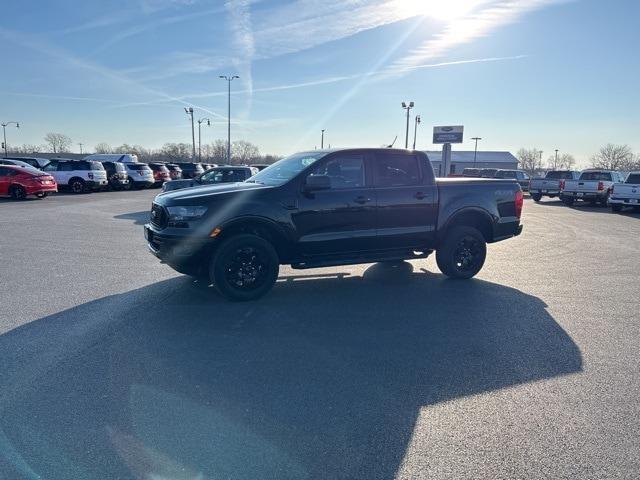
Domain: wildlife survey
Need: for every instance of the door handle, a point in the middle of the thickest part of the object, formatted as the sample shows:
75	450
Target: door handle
361	199
420	195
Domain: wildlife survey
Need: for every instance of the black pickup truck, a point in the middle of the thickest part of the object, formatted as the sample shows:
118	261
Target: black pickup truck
331	207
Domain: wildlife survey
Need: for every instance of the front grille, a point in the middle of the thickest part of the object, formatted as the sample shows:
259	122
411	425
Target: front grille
158	216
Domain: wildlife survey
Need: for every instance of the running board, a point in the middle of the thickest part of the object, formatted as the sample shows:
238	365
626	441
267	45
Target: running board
369	258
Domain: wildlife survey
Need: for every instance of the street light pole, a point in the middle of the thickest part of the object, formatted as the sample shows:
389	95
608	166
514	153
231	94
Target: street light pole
229	79
80	145
199	137
415	131
408	109
556	164
322	139
475	150
4	134
189	111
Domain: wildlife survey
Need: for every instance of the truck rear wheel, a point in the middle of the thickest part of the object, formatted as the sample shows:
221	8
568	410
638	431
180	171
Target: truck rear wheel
244	267
616	207
462	252
567	200
536	197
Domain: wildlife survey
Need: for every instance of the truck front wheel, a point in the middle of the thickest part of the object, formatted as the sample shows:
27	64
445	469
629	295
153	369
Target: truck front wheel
244	267
462	252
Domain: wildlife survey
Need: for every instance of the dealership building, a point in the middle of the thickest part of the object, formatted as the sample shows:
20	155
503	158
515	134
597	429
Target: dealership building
464	159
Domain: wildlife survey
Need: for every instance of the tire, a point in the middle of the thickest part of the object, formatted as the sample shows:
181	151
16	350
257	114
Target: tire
77	185
567	200
462	252
605	201
42	194
616	207
18	192
248	255
536	197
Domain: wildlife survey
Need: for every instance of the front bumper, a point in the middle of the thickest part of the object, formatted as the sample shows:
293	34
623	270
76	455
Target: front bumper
183	253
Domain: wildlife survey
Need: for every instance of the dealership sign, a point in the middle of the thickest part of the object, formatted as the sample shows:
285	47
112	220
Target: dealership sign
448	134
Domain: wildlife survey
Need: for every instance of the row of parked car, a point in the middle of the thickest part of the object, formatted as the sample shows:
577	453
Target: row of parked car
608	188
23	176
519	176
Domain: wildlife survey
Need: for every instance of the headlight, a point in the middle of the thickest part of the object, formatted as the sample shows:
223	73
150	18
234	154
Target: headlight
185	214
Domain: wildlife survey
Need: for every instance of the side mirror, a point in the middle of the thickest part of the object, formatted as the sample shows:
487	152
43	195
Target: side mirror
317	182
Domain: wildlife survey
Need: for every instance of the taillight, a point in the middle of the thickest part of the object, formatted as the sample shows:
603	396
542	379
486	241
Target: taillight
519	203
600	185
561	184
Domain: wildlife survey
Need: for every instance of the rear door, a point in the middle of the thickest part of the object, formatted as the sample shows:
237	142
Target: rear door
5	180
339	220
407	199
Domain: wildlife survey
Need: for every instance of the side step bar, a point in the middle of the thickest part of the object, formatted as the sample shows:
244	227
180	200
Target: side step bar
370	258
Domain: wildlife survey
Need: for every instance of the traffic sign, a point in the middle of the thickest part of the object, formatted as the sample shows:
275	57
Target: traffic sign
451	134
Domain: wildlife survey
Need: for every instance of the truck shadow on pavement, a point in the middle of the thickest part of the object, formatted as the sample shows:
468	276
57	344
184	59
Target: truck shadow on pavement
138	218
323	378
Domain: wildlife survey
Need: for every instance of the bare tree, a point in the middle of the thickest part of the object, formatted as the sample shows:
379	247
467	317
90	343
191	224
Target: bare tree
26	148
614	157
566	161
103	148
530	160
243	152
176	151
58	142
217	151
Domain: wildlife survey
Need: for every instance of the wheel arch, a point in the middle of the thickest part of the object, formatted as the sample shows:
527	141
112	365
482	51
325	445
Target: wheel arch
477	218
262	227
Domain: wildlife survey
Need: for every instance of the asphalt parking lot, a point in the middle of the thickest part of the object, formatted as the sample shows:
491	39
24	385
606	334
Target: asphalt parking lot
115	366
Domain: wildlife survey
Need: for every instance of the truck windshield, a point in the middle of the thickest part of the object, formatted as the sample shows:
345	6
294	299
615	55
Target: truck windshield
287	168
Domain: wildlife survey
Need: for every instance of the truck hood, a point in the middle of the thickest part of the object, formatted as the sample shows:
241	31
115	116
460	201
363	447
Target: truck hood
204	193
178	184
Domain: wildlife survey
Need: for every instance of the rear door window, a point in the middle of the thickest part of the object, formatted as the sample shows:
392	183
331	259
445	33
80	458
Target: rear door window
396	170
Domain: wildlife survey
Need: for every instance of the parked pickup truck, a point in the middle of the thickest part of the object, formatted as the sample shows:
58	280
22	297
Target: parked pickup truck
331	207
551	184
593	186
626	194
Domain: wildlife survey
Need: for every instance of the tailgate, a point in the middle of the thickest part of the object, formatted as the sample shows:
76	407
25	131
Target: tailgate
590	186
543	184
626	190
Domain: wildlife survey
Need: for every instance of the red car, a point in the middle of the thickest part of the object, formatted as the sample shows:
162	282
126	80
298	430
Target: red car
161	173
18	182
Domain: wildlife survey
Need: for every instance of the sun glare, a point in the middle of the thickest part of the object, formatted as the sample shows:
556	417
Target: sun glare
438	9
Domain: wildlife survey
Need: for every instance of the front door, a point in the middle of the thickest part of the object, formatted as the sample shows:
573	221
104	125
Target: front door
340	219
407	200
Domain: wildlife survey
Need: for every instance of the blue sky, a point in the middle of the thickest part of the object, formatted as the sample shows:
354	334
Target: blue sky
518	73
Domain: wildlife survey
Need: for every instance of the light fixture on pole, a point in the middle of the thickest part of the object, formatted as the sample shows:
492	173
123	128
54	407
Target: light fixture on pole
415	131
322	139
4	134
229	79
200	138
408	109
189	111
475	150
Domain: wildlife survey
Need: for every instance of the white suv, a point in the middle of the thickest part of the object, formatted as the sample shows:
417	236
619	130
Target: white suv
77	175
